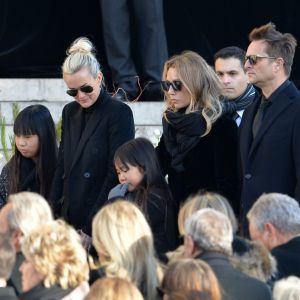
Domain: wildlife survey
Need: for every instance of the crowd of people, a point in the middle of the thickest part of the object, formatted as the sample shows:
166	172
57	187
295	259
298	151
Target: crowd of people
211	213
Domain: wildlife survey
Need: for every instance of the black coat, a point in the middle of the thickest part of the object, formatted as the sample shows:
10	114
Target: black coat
7	293
210	165
234	284
40	292
15	280
288	258
85	172
271	162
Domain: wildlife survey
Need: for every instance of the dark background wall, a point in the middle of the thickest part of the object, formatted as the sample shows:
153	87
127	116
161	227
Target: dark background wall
34	34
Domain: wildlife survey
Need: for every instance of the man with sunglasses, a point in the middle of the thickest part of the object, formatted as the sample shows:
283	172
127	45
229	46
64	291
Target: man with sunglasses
237	92
269	149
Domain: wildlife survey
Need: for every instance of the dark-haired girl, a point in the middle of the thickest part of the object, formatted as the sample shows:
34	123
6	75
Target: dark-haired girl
32	166
142	182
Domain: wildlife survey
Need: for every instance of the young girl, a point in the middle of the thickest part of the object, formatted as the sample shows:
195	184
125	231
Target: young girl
142	182
33	164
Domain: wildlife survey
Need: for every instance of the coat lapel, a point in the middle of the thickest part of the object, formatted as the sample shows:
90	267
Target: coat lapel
74	131
91	125
246	130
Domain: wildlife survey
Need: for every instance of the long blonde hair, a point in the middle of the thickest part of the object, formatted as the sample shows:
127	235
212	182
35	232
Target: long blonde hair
122	235
202	84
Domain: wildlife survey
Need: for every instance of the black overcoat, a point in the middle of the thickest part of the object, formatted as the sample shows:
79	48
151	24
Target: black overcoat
211	165
271	161
85	172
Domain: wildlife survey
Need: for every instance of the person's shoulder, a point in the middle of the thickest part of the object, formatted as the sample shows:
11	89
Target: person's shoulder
71	107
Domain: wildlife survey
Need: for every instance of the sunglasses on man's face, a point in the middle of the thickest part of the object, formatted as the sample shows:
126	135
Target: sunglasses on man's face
253	59
175	84
85	89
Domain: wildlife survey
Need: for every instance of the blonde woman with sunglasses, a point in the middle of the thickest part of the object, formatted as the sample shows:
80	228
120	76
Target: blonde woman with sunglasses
93	127
198	147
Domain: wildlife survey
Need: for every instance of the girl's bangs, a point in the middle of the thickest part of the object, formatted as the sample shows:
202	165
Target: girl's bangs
24	126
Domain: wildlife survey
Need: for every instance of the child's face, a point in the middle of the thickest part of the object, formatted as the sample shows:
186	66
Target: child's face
131	175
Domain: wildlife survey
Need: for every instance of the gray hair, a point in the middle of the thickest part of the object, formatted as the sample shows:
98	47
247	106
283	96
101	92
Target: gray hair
210	230
287	289
29	211
81	54
280	210
7	257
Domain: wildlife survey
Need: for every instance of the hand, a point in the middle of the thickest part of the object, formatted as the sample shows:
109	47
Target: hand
86	240
118	191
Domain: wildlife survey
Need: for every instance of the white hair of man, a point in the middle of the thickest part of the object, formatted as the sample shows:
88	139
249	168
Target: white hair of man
210	230
29	211
287	289
282	211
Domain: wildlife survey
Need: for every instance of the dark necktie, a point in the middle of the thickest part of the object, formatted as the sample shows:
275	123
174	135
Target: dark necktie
259	116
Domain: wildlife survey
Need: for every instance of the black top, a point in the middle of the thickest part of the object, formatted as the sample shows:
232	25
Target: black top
28	179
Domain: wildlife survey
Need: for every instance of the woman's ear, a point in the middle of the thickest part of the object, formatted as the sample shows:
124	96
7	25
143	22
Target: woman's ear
100	77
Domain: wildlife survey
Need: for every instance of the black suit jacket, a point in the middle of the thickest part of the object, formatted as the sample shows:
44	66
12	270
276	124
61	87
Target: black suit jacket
7	293
85	172
288	258
234	284
271	161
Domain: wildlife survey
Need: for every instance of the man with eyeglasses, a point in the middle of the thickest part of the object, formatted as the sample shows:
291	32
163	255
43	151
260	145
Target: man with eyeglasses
237	92
269	145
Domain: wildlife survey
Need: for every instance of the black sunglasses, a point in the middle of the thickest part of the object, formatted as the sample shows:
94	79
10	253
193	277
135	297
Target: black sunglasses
85	89
254	58
176	85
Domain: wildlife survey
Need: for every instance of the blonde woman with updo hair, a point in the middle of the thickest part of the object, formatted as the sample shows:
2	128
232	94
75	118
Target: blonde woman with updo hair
94	125
113	289
197	149
55	265
124	243
186	279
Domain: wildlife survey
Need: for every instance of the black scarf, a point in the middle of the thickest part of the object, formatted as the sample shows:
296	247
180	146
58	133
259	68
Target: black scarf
240	103
182	132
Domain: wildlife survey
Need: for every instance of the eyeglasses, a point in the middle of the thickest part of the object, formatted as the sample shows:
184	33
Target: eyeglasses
254	58
85	89
176	85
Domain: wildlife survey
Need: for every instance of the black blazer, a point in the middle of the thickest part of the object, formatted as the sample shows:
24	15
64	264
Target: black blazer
85	172
271	162
234	284
288	258
210	165
7	293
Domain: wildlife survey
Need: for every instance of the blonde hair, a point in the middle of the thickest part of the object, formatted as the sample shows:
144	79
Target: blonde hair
29	211
56	252
202	84
187	277
287	289
81	54
205	200
113	289
122	234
